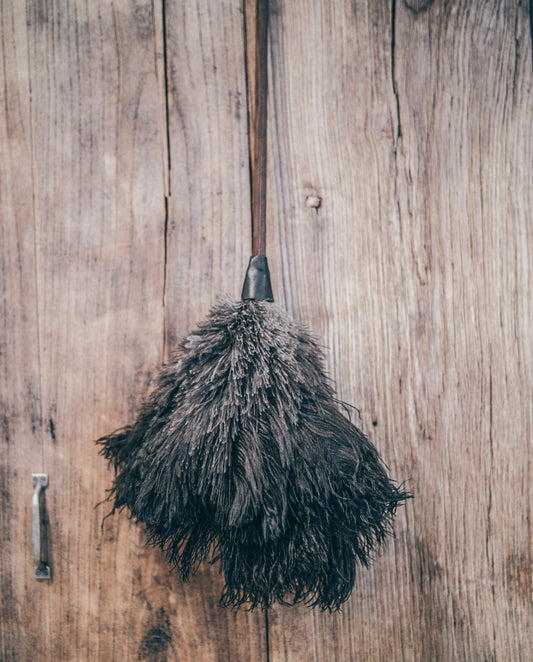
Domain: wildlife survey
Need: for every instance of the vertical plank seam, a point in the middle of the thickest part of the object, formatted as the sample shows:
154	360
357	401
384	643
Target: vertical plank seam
396	140
267	637
35	256
165	261
37	293
531	23
6	640
393	73
169	165
165	66
249	104
488	533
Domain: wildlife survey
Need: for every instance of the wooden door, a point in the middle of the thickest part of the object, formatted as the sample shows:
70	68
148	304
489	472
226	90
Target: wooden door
124	202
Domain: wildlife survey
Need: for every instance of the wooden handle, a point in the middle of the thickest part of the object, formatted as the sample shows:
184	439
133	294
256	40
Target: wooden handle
257	76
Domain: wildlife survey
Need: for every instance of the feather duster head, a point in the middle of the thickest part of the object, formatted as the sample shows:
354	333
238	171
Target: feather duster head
241	454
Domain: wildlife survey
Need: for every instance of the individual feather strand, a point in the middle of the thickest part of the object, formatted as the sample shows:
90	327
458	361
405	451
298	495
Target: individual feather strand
241	454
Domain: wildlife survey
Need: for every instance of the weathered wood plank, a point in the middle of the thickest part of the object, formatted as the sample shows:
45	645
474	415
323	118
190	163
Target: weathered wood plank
208	247
92	166
21	440
418	264
465	183
85	126
333	133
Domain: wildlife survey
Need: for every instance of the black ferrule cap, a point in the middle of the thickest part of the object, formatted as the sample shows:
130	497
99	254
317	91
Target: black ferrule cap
257	280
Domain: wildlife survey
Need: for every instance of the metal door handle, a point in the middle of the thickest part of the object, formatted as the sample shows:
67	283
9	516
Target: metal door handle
38	527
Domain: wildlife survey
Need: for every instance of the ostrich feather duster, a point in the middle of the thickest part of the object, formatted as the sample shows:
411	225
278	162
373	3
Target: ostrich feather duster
242	455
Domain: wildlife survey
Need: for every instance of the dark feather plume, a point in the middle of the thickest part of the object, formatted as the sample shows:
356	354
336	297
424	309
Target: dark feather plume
241	454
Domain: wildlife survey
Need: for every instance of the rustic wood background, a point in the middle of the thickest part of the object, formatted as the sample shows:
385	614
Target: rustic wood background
124	201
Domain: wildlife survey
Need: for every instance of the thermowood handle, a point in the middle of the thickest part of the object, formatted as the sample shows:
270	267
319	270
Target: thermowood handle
38	531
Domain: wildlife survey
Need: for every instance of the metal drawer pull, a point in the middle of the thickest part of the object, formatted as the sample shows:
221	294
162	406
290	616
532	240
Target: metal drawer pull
38	527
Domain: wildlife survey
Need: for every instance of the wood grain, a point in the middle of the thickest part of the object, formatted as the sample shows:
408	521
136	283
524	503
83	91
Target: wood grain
20	395
125	211
414	129
208	246
93	164
84	207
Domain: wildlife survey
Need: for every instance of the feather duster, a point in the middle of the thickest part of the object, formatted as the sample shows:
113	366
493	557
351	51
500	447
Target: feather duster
242	455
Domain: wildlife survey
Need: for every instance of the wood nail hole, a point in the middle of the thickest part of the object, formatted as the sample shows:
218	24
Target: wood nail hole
313	201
